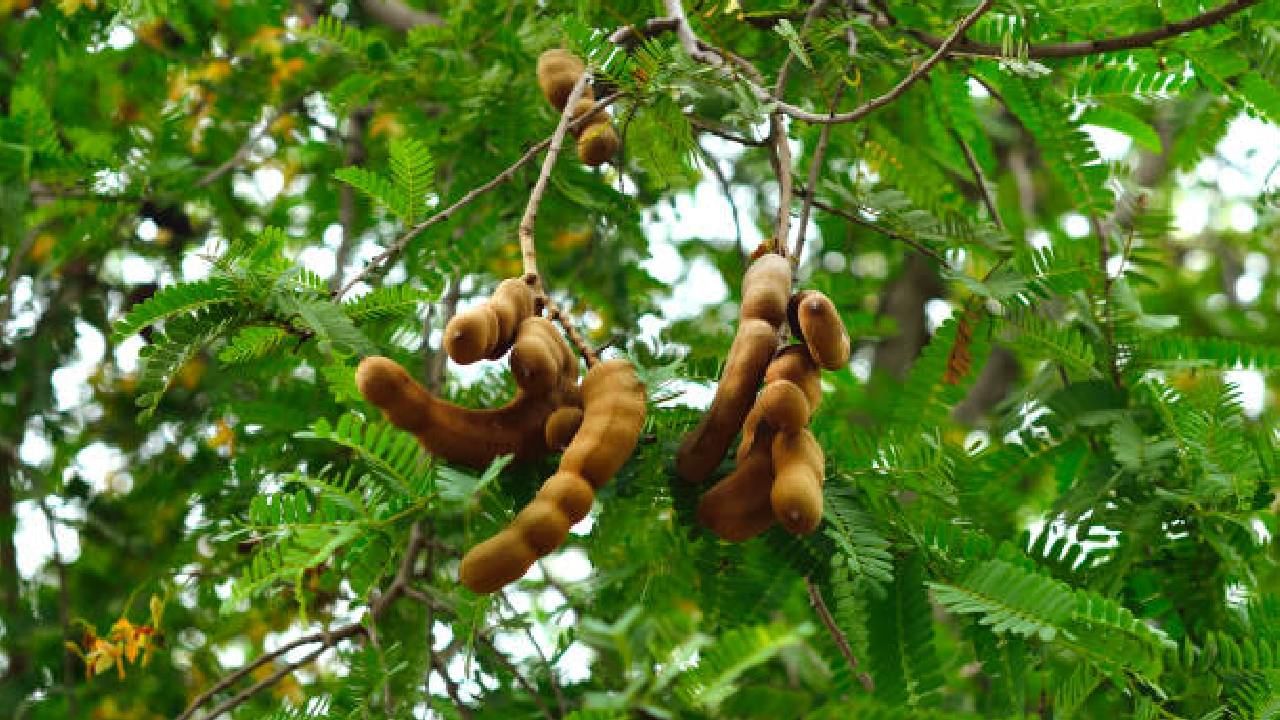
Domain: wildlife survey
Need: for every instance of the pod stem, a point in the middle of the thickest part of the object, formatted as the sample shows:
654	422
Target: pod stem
528	249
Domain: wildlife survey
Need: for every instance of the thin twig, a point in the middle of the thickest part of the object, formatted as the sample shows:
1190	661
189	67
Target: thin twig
721	130
1146	38
815	171
829	622
450	686
782	149
532	691
727	190
984	191
325	637
387	256
578	342
699	51
528	249
887	232
241	697
245	148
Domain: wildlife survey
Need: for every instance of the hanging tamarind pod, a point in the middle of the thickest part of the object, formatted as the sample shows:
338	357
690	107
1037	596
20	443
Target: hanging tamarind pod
613	411
765	290
474	437
488	330
815	321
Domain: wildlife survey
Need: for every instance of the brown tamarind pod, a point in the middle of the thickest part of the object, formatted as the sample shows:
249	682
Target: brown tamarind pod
487	330
571	493
814	319
705	446
496	562
584	108
537	358
562	425
463	436
783	405
793	365
613	410
543	525
766	289
796	496
738	507
558	71
598	143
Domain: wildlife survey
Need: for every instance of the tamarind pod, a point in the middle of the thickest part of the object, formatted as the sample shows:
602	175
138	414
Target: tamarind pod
543	525
598	143
794	363
558	72
562	425
512	302
584	107
613	410
571	493
496	562
613	407
537	363
738	508
472	334
766	289
459	435
705	446
814	319
783	405
487	330
797	481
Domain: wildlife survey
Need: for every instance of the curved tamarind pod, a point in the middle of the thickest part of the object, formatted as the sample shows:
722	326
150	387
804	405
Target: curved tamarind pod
598	143
562	425
472	334
537	358
737	508
487	330
543	525
704	447
766	289
583	107
558	72
462	436
814	319
794	365
571	493
613	407
502	559
783	405
797	481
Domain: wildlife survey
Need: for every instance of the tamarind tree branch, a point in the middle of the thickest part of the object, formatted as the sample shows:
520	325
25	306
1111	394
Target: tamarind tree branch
842	643
528	249
326	638
1145	38
387	256
778	134
815	171
876	227
701	52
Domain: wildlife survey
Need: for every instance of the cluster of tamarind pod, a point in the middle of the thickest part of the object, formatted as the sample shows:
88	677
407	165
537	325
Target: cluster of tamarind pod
770	394
597	423
558	72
